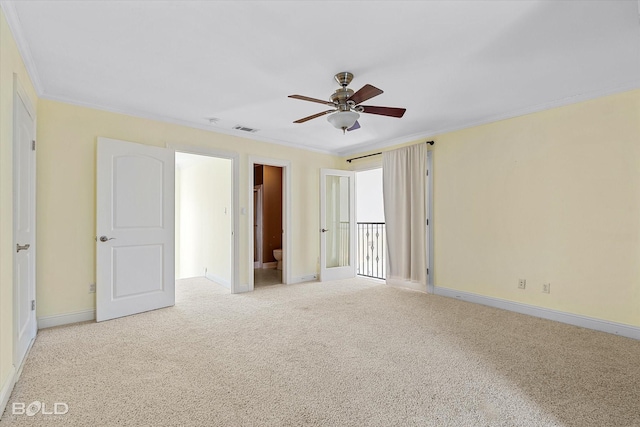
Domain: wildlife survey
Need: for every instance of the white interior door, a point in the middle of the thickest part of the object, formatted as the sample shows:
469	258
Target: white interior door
24	218
337	224
135	256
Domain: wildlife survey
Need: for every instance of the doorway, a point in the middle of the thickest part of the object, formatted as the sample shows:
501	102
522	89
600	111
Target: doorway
270	182
268	225
371	248
204	221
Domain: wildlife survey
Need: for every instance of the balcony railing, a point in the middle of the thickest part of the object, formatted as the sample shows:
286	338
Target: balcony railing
371	249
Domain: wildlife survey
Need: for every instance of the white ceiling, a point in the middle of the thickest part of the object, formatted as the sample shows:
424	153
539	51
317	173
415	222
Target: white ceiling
451	64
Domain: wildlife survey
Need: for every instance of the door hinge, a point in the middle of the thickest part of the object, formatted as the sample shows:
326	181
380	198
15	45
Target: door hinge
427	172
33	305
427	271
427	221
33	145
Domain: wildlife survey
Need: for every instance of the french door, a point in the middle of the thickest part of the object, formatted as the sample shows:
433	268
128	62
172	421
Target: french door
337	224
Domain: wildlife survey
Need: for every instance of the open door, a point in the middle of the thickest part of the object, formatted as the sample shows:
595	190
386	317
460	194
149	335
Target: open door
24	221
337	224
135	229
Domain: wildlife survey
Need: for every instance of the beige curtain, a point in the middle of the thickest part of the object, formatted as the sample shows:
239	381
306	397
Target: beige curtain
404	173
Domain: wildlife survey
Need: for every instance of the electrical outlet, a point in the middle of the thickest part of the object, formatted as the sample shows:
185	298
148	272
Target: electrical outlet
546	288
522	283
92	288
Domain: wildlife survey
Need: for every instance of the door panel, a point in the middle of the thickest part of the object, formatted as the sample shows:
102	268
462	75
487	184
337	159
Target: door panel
337	224
137	270
138	197
135	218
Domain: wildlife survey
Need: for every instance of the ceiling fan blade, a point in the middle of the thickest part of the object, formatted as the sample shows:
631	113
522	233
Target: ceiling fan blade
383	111
355	126
366	92
306	98
304	119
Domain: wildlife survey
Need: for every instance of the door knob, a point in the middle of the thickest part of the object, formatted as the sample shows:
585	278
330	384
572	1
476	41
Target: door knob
323	230
105	238
22	247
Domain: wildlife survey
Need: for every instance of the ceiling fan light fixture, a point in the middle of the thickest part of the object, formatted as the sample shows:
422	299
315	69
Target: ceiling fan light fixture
346	104
343	119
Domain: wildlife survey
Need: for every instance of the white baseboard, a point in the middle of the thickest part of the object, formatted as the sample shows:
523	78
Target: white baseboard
7	388
545	313
270	264
302	279
399	282
65	319
219	280
242	288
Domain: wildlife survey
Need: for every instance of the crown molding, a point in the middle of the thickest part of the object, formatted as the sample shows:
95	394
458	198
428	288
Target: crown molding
364	147
186	123
11	14
361	148
15	26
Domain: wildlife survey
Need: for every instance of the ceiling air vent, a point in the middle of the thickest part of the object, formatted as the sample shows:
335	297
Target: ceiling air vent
245	129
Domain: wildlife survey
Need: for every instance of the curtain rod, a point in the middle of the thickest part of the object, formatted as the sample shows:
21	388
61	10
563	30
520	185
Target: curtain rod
377	154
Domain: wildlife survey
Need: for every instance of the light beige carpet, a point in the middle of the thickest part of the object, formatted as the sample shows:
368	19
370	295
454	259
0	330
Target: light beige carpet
344	353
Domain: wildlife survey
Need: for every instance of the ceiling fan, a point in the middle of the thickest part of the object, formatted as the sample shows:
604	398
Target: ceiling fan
346	104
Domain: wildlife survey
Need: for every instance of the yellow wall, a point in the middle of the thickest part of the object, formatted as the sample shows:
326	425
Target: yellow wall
550	197
10	64
66	195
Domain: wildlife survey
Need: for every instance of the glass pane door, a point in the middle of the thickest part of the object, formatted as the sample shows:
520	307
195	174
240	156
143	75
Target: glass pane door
337	214
337	224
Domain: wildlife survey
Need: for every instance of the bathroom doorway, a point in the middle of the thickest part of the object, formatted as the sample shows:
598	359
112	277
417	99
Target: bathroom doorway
268	225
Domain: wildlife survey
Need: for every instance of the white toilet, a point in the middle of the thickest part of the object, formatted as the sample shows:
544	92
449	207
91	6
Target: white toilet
277	254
